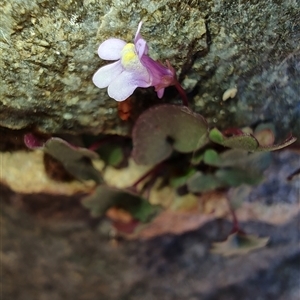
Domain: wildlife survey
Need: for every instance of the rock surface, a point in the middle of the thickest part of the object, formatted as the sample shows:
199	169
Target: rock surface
68	260
49	56
52	249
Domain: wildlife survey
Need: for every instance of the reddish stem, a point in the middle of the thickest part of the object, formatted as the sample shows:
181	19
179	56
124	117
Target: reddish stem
182	94
150	172
235	225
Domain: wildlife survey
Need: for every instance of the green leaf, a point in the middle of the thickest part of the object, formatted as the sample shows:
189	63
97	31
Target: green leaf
143	211
241	159
76	160
212	158
246	141
197	158
105	197
200	183
229	158
239	244
177	181
236	177
163	128
243	141
216	136
112	155
237	167
233	157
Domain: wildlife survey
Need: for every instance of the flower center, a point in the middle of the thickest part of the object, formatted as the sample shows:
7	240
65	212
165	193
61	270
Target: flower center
129	57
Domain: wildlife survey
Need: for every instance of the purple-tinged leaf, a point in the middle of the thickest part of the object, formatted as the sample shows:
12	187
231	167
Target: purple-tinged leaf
75	160
163	128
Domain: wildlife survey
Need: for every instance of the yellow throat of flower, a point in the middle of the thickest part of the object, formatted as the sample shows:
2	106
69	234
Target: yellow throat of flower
129	57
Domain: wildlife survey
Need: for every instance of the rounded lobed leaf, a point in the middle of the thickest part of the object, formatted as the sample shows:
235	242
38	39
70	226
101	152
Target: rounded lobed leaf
163	128
76	160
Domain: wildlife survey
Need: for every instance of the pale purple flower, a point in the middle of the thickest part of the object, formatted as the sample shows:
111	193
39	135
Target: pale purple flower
133	68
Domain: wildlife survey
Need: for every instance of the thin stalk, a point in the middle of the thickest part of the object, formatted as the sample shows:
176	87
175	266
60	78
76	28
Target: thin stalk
147	174
182	93
235	225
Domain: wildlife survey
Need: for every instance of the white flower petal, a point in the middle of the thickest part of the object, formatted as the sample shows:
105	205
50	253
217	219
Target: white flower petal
105	75
111	49
124	85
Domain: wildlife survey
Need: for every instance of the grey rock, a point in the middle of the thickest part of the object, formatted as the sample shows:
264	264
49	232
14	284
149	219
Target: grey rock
52	249
49	57
67	260
255	47
276	188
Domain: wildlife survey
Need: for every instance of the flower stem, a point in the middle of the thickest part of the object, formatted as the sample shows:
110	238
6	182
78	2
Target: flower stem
150	172
182	94
235	225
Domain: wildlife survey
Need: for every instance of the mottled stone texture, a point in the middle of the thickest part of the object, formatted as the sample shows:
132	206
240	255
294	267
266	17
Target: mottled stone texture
49	56
68	260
